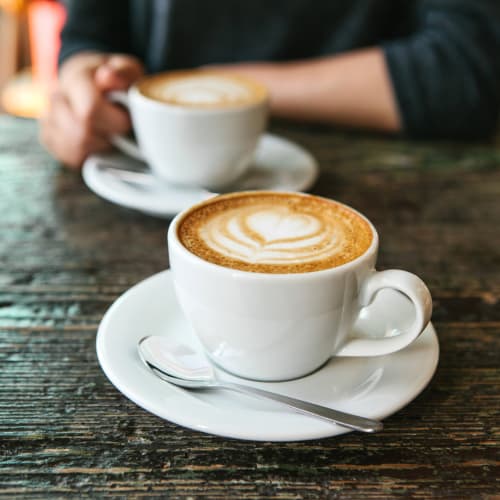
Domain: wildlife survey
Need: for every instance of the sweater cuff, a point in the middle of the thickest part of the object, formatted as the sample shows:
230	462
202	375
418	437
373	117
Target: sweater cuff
401	75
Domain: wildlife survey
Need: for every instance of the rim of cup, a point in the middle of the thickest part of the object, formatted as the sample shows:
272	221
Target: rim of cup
195	110
173	239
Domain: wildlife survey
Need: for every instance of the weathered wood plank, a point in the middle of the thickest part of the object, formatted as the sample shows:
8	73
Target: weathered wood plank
66	255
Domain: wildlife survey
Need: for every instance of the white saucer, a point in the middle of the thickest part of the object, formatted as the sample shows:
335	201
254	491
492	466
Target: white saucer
371	387
279	165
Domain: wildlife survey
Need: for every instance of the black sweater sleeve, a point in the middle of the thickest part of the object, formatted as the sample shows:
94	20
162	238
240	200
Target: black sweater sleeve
446	75
95	25
445	69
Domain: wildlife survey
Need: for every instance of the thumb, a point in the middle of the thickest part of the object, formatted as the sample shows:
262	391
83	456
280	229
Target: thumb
118	72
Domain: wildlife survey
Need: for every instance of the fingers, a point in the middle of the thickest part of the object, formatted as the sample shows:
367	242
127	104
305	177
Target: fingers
91	108
118	73
86	91
65	136
80	120
109	119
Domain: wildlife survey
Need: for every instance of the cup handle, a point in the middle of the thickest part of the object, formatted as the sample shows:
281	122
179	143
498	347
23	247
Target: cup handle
411	286
124	144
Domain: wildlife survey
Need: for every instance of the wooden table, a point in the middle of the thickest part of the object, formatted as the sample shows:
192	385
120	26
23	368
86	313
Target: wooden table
66	255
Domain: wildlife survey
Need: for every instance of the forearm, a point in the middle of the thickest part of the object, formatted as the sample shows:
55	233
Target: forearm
352	89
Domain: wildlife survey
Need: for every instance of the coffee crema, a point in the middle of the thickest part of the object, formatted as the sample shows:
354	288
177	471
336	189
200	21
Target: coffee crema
202	89
272	232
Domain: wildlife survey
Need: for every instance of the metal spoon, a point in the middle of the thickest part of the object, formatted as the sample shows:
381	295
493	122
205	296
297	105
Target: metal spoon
181	365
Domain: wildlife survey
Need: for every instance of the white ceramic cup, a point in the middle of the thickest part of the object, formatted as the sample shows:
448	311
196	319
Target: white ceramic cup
193	147
282	326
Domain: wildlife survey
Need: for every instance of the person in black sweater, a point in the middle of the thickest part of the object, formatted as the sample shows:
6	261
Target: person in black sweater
421	68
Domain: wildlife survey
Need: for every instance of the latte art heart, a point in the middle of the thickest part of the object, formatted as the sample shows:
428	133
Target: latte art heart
269	235
274	232
274	224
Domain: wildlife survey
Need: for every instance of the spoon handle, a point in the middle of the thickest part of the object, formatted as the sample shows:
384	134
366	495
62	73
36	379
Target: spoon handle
339	417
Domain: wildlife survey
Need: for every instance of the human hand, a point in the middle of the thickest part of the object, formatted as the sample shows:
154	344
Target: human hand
79	120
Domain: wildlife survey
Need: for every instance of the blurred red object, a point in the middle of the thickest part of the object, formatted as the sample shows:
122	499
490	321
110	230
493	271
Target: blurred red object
45	22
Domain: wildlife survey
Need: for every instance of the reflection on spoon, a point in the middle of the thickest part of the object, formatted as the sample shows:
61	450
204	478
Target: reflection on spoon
181	365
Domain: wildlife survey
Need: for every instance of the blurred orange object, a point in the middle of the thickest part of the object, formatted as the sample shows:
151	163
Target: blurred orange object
12	6
25	93
23	97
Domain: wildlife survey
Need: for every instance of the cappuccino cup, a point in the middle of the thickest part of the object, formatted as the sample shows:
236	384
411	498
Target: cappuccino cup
195	128
273	282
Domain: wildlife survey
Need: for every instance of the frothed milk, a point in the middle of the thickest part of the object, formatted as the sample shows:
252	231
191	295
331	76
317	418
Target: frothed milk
203	89
272	232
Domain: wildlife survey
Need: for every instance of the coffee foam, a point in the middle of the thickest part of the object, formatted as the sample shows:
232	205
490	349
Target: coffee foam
272	232
202	89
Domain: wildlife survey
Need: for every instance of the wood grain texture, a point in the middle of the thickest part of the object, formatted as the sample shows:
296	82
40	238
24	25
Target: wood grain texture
66	255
